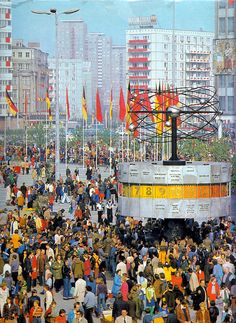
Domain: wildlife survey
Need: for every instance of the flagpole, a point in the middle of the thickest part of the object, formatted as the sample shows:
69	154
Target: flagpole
140	147
5	138
122	144
128	147
134	149
46	134
66	137
96	139
157	149
162	145
26	135
110	144
83	142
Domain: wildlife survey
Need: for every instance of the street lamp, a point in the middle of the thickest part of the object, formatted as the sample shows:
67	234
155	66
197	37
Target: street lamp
57	142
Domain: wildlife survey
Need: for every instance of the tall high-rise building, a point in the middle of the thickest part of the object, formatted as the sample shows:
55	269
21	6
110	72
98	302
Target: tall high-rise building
72	35
5	53
100	56
73	75
179	57
225	60
30	78
118	74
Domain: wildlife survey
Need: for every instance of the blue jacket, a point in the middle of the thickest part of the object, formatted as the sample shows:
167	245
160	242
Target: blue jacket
116	285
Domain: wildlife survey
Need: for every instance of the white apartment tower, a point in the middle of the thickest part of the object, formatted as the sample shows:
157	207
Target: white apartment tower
73	75
5	53
72	35
100	56
118	75
180	58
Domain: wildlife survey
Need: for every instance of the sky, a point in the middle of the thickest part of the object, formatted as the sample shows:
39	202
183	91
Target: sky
107	16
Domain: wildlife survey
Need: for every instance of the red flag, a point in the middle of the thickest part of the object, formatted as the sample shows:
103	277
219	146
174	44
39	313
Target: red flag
122	106
231	2
98	108
134	113
67	105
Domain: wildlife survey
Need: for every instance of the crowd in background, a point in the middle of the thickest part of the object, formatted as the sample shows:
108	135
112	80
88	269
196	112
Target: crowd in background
106	263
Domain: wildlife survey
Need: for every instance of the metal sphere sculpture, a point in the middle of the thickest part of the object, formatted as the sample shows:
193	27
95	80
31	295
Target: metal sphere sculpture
152	112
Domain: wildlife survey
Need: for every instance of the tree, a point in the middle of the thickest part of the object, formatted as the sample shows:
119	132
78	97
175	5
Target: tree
217	150
233	178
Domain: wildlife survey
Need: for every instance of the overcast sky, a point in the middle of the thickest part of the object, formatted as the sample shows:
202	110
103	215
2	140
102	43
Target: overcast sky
108	16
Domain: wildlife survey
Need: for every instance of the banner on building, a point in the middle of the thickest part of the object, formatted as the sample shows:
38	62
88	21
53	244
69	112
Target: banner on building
224	58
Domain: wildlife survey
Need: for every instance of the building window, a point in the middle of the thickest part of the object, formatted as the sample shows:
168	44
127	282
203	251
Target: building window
27	54
230	24
222	103
222	4
230	79
222	81
230	103
222	25
20	54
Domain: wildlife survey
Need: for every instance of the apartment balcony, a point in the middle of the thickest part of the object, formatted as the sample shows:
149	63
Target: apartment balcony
139	68
143	77
198	52
138	60
197	60
138	50
200	69
199	79
138	41
138	86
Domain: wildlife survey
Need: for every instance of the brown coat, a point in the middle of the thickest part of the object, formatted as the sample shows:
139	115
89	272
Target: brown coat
202	317
180	314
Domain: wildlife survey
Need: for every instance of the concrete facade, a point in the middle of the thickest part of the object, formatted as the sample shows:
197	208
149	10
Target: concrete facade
225	60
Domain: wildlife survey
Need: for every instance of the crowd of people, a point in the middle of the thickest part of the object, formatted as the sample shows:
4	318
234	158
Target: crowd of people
100	262
75	155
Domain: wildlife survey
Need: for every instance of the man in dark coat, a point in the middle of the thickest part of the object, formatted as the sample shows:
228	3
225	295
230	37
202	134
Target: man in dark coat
200	295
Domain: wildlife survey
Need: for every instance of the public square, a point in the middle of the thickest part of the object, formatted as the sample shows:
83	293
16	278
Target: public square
117	161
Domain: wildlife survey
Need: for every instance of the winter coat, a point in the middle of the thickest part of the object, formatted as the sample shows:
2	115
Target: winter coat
57	269
116	285
78	268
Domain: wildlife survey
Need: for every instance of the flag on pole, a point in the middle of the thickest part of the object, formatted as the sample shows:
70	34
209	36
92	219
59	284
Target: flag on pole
159	107
98	108
110	110
122	106
84	106
134	115
11	105
67	105
48	102
128	105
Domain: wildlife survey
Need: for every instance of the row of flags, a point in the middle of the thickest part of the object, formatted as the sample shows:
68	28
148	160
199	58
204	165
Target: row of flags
136	101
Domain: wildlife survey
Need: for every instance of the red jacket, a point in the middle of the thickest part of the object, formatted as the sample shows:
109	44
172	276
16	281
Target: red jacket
211	296
87	267
124	291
